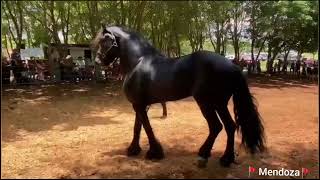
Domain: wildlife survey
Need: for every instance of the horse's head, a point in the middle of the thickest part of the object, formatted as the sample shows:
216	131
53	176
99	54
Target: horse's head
106	45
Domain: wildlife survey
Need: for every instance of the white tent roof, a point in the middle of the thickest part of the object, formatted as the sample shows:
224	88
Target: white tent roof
31	52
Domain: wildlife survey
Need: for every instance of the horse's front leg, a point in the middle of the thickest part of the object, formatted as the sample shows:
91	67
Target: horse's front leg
155	150
134	149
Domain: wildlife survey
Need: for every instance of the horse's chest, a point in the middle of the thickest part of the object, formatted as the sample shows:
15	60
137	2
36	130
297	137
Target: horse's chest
136	87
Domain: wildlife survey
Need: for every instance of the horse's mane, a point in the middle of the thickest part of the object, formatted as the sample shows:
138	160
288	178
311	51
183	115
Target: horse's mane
95	42
123	32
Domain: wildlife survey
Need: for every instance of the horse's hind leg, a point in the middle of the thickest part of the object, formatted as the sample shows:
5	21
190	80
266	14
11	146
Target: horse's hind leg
230	127
215	127
164	110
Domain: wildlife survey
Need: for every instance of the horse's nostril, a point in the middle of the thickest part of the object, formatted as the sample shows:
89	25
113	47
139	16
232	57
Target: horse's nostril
97	60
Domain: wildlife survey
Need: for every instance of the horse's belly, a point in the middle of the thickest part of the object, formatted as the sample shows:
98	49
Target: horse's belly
160	92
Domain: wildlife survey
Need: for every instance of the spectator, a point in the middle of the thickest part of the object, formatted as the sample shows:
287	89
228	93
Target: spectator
292	67
304	67
279	65
298	66
258	66
40	70
275	67
284	67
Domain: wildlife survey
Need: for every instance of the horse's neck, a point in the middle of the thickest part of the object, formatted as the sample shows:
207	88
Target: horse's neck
133	52
127	64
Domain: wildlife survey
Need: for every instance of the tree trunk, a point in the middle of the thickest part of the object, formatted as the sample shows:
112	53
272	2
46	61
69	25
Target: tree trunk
260	49
236	49
191	42
273	55
21	24
252	49
12	36
177	43
6	44
153	34
218	37
236	38
122	13
201	41
211	39
10	42
66	39
29	38
253	34
91	18
269	59
286	54
299	55
17	21
130	15
139	17
253	62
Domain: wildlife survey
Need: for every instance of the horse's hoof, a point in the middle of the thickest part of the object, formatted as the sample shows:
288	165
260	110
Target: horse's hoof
202	162
163	117
225	161
133	150
155	154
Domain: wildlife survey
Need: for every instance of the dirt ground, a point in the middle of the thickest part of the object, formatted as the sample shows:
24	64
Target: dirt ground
82	131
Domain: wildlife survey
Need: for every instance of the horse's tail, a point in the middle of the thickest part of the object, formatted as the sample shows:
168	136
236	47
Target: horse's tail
247	117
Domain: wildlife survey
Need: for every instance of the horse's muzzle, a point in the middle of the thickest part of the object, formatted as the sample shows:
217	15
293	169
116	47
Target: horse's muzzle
97	60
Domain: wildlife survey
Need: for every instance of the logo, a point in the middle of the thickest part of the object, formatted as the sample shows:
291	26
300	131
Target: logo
279	172
251	170
305	172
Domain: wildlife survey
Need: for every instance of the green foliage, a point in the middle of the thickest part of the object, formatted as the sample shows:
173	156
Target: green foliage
175	27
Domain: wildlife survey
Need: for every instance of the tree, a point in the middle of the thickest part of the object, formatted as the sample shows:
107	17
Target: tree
14	13
280	25
256	29
218	17
237	23
304	26
4	36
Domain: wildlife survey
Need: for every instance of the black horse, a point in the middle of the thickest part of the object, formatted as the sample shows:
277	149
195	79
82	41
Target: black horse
151	77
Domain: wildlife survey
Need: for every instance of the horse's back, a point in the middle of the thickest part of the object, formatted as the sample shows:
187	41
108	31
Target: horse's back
215	61
202	72
215	75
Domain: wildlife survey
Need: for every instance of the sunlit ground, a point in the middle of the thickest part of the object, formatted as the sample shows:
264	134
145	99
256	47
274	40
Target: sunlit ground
82	131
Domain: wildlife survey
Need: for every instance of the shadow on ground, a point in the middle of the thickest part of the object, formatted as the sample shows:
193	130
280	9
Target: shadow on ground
99	104
59	107
181	163
279	81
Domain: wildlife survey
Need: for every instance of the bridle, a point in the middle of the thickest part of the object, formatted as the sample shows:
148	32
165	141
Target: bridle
114	44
